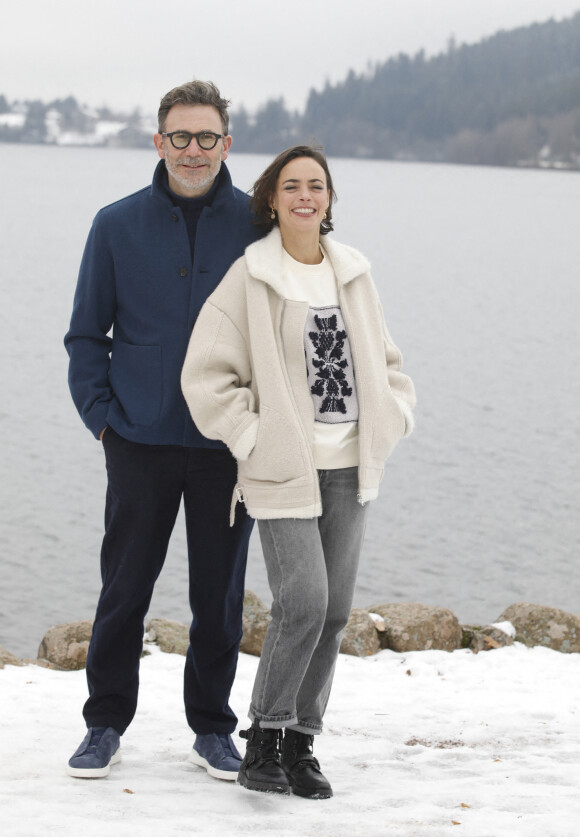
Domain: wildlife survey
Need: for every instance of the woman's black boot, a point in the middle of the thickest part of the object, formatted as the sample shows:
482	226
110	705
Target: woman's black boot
302	768
260	769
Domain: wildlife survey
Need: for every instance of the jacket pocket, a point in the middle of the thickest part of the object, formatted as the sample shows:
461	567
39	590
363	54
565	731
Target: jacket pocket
137	381
388	426
277	455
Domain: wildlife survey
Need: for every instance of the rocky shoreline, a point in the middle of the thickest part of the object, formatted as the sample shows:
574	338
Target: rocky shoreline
400	627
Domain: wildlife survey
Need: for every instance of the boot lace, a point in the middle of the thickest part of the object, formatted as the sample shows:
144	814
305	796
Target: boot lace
265	743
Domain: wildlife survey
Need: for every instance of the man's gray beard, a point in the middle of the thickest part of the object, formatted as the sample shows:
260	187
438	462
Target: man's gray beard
175	172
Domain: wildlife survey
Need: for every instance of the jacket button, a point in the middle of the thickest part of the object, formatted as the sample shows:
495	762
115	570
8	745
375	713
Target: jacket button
175	217
183	271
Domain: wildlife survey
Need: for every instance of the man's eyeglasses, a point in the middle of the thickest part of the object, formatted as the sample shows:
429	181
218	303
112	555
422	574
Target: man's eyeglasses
205	139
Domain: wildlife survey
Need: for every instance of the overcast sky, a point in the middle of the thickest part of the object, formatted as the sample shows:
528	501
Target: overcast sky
128	53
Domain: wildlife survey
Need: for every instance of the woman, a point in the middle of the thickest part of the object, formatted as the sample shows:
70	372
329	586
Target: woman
291	365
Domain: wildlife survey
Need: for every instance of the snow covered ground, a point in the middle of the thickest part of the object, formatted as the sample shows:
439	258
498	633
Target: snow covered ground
425	743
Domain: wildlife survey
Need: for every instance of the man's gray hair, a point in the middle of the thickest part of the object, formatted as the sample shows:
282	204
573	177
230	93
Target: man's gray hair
194	93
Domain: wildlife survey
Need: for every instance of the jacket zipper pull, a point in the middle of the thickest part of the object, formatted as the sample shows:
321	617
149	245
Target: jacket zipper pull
237	497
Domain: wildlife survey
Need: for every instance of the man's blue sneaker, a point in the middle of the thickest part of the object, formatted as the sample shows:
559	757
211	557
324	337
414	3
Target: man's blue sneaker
217	753
101	747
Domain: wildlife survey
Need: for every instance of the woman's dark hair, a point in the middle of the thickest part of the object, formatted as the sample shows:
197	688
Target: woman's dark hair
265	186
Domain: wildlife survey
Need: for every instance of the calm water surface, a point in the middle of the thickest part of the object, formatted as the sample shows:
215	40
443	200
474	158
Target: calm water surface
478	271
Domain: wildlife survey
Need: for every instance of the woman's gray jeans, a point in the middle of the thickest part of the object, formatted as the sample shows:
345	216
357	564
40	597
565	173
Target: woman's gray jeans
312	566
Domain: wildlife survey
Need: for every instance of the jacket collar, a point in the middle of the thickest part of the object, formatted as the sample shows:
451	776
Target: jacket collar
264	260
223	194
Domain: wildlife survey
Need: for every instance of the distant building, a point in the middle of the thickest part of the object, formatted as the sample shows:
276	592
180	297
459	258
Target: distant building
12	120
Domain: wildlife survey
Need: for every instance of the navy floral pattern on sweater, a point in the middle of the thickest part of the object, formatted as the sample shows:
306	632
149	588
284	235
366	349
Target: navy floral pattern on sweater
329	366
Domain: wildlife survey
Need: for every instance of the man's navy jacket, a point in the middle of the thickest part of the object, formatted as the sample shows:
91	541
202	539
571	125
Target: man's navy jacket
137	278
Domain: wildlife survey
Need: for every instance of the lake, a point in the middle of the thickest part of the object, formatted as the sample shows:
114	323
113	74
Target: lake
478	270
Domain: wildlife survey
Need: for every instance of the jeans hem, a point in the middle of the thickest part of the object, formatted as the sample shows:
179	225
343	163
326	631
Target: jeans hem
307	729
272	721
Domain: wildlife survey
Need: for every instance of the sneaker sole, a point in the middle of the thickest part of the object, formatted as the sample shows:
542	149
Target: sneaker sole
94	772
226	775
263	787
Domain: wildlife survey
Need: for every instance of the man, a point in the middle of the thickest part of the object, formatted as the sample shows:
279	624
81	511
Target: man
150	261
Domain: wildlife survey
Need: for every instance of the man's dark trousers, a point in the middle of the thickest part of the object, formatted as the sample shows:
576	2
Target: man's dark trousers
145	487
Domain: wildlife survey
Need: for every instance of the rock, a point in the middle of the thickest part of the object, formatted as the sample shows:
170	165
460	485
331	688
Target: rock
379	622
9	659
360	637
547	626
65	646
255	623
411	626
484	638
171	637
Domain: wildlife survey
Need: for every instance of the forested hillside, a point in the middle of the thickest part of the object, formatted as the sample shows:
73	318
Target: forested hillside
513	98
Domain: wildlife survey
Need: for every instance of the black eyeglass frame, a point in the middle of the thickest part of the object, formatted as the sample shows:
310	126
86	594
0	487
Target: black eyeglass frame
196	137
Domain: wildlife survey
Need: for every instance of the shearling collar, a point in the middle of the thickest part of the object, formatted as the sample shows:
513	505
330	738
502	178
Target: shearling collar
264	260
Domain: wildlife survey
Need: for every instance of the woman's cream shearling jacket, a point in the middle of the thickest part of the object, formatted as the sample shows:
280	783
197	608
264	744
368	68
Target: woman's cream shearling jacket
244	379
